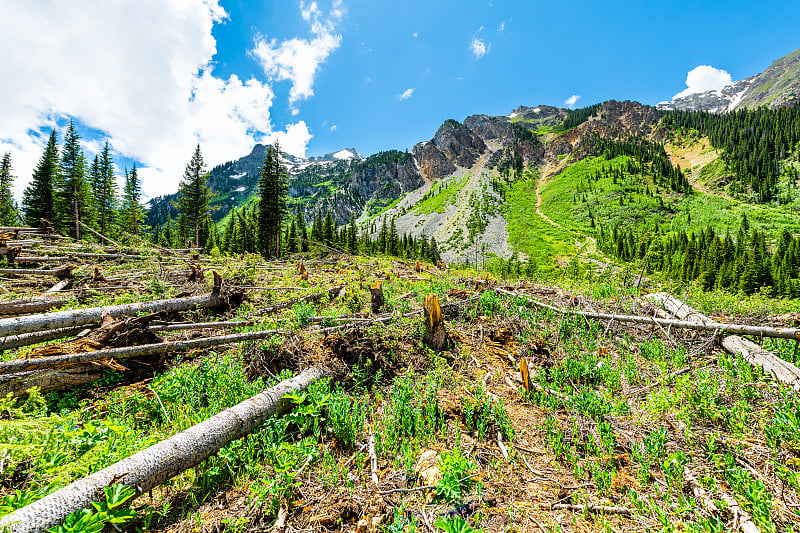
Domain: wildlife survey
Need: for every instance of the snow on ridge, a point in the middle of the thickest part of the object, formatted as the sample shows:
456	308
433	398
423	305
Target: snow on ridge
240	189
237	176
344	154
537	110
513	114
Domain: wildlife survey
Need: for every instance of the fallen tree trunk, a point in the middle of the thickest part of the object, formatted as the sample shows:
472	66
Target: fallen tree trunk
331	293
38	363
201	325
93	315
709	325
34	305
50	380
60	273
26	339
60	286
780	370
160	462
99	235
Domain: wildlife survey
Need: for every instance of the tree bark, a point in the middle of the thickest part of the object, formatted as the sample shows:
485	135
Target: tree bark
160	462
93	315
52	361
34	305
780	370
709	325
60	273
26	339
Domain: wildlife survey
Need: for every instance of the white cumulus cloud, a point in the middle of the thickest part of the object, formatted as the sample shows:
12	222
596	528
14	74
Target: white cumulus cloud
704	78
572	100
298	60
141	73
479	47
406	94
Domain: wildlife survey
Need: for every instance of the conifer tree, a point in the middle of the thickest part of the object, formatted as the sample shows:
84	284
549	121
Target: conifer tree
104	188
328	229
302	232
273	191
194	196
132	212
37	200
352	236
73	202
7	211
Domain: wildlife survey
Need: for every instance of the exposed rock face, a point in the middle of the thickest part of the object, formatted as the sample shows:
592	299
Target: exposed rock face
388	179
777	86
432	162
487	127
544	115
458	143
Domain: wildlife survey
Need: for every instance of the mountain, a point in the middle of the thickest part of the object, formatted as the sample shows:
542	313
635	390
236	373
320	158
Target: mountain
546	184
777	86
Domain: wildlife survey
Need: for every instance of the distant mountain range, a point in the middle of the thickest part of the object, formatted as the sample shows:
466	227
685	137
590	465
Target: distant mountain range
448	187
777	86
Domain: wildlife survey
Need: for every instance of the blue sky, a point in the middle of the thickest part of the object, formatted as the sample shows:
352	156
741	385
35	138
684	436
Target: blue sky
157	76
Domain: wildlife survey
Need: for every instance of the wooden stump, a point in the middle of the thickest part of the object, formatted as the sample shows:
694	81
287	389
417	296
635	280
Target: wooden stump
435	334
376	292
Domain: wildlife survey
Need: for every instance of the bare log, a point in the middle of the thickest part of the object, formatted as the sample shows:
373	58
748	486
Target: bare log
60	286
93	315
26	339
50	380
60	273
90	230
331	293
37	363
201	325
160	462
710	325
33	305
780	370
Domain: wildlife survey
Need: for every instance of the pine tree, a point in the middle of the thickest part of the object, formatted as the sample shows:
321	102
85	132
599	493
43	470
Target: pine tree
352	236
273	192
7	211
302	232
194	196
73	201
104	188
328	229
37	200
132	212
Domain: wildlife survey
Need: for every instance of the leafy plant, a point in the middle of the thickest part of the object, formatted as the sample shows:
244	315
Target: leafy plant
456	480
455	524
108	511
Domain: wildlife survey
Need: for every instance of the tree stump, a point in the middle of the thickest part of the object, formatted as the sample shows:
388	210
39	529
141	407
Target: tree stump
435	334
376	292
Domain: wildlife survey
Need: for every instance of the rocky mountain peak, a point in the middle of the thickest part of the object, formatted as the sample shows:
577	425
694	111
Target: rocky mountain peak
777	86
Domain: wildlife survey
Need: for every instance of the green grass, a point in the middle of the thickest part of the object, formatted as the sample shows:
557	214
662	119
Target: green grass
570	197
530	233
440	196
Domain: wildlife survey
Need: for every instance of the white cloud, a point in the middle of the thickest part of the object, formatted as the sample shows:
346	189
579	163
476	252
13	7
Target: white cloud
416	34
141	73
334	127
502	27
572	100
298	60
704	78
478	46
406	94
